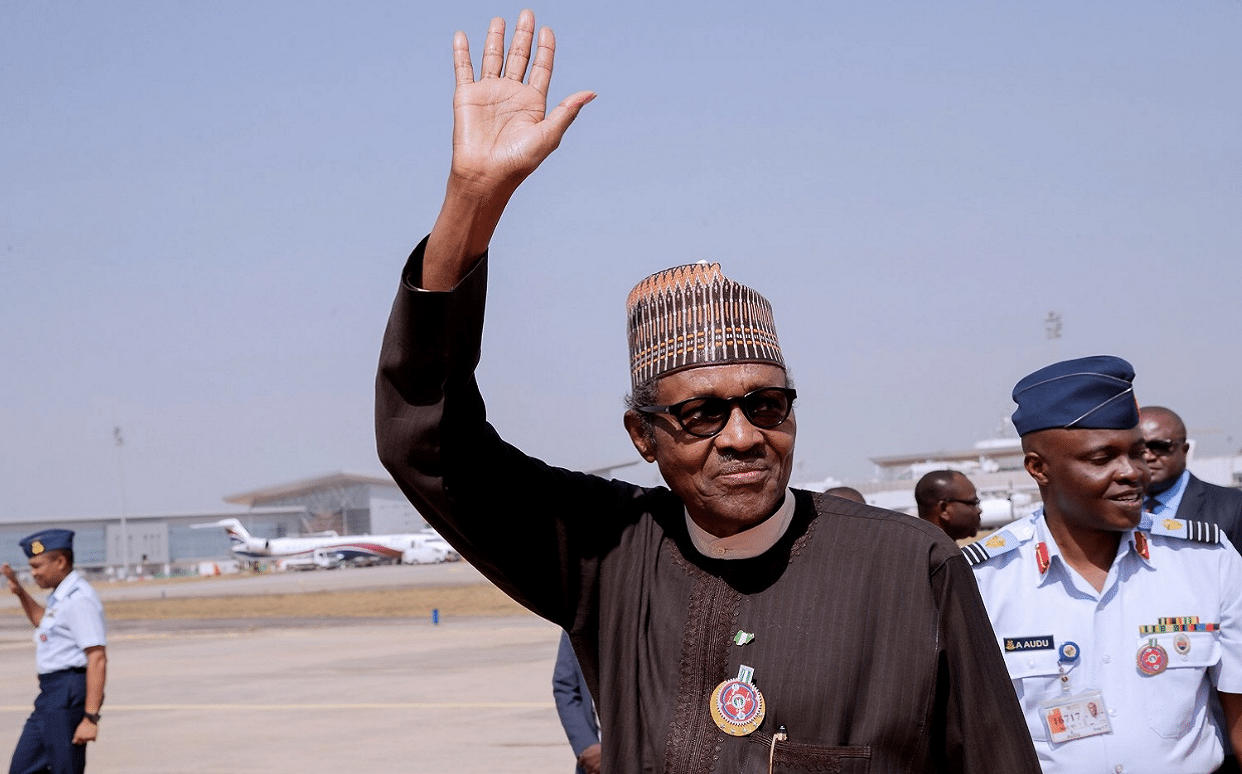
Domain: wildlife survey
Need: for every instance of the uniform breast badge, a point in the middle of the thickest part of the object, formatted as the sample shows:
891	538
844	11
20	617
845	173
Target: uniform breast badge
1068	653
1152	658
736	705
1042	560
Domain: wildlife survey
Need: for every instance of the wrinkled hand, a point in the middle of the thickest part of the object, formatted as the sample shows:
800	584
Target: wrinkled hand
589	759
501	128
11	577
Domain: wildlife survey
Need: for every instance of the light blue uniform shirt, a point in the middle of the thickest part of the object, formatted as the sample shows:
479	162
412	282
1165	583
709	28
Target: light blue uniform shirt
1168	501
1160	723
72	621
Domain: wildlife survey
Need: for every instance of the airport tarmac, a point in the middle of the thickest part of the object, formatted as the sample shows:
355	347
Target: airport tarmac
377	695
246	584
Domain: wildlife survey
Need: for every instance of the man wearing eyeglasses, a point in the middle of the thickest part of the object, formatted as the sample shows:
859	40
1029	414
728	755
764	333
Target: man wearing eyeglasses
1175	492
725	623
947	499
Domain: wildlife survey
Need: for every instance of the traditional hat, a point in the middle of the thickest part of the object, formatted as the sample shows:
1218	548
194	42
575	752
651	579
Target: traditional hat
47	540
1089	392
690	316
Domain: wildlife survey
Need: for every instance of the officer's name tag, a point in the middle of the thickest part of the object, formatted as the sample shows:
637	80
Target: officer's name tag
1075	717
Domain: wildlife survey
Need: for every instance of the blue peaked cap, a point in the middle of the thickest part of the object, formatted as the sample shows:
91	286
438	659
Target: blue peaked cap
1089	392
47	540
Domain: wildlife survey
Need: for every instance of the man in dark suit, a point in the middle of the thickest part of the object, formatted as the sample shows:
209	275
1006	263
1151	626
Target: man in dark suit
1174	491
947	499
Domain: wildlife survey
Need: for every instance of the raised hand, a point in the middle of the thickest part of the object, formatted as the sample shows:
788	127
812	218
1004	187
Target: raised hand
11	577
502	131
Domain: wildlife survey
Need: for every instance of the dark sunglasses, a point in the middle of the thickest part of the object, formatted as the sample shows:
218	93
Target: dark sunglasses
1162	447
972	503
706	416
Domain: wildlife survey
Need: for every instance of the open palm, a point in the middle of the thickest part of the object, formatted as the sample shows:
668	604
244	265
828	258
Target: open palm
501	128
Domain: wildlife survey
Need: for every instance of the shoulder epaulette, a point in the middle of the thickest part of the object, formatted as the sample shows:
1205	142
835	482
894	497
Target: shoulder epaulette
1186	529
997	543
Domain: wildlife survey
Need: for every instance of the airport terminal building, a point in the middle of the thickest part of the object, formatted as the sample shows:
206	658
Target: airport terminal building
361	504
177	543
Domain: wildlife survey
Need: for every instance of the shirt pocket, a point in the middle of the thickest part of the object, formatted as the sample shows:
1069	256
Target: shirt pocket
801	758
1173	699
1036	676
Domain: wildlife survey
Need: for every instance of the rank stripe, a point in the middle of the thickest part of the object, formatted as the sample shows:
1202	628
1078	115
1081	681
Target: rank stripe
974	553
1203	531
1187	529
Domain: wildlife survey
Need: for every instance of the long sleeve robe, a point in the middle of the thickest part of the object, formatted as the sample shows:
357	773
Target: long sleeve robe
871	645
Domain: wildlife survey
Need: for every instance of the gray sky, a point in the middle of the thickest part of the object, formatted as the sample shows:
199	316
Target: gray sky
204	208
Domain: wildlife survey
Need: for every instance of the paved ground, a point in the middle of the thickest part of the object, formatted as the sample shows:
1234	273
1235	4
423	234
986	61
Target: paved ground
191	697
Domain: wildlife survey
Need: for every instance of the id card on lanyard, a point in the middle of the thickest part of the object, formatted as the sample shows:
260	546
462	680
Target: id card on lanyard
1075	717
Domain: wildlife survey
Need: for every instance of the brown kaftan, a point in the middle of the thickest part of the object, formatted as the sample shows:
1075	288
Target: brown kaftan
872	647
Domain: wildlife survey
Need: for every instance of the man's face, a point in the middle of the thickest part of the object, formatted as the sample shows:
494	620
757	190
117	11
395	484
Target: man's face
737	478
49	569
1164	431
1090	479
961	519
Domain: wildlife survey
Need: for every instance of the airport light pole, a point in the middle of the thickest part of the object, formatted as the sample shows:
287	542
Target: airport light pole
120	479
1052	329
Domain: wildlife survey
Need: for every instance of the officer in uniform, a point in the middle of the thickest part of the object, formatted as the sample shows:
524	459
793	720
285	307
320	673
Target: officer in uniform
70	657
1118	631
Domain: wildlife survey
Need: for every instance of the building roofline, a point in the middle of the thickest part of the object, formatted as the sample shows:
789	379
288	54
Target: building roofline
301	486
199	514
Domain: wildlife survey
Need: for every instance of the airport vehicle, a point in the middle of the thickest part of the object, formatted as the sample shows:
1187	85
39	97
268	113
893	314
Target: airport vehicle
327	549
319	559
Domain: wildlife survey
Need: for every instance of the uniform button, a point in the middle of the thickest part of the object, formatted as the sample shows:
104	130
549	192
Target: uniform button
1112	712
1107	659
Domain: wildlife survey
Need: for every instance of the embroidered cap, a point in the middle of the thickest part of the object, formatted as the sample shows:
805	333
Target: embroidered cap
47	540
1089	392
693	315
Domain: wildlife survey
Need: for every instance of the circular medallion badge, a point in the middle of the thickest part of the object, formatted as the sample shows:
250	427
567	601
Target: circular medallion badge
737	707
1152	659
1181	643
1068	652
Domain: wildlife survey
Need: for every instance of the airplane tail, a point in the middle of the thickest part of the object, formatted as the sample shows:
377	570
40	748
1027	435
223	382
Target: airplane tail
238	535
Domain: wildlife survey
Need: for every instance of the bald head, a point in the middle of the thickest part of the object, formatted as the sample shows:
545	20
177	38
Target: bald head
1164	433
947	499
847	492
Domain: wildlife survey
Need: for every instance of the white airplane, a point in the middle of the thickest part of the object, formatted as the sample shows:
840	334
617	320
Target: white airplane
328	549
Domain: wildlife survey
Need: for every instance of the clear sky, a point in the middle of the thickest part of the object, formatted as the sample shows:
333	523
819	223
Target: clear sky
204	208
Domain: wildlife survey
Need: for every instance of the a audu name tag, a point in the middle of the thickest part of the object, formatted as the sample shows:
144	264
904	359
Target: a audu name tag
1042	642
1075	717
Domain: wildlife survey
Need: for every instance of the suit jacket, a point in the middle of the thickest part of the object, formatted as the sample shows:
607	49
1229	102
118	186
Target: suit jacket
573	699
1219	505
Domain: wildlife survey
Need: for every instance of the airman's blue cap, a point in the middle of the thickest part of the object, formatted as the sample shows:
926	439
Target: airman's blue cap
47	540
1089	392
